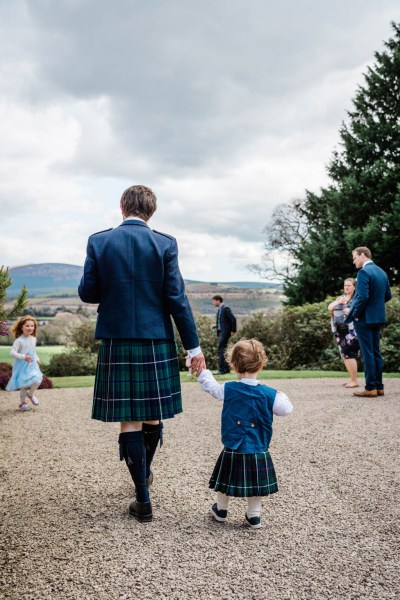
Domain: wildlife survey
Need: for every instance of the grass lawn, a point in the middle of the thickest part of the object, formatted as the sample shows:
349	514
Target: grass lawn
286	375
44	353
88	380
79	381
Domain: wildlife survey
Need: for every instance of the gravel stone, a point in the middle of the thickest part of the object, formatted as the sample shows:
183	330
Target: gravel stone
332	531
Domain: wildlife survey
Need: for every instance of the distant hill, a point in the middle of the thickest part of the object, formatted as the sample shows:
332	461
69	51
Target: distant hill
59	279
45	279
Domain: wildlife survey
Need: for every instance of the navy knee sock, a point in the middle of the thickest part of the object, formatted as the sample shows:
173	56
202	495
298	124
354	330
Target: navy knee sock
152	435
133	451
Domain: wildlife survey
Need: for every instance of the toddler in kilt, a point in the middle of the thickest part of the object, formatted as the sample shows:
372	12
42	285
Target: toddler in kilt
244	467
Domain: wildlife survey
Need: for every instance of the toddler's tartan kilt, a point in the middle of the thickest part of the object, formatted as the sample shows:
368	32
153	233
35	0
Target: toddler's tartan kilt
136	380
243	475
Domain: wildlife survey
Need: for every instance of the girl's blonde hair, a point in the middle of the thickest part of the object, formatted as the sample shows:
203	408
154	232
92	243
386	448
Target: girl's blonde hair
16	329
247	356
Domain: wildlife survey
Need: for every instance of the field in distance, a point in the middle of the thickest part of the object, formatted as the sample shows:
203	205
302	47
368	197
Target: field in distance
44	353
53	287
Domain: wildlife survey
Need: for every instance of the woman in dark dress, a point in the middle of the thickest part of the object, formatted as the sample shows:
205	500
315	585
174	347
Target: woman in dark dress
345	334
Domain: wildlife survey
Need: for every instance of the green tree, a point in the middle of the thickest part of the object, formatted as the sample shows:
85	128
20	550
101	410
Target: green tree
361	206
18	306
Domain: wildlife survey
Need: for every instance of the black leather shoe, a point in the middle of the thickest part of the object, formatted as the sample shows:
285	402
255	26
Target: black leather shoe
219	514
254	522
142	511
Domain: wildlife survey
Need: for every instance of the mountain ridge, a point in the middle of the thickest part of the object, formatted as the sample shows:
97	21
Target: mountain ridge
62	278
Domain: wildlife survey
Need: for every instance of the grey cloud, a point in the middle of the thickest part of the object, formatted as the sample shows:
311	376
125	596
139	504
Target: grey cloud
190	83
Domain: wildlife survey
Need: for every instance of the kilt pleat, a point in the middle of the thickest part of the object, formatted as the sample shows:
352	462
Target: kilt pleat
136	380
243	475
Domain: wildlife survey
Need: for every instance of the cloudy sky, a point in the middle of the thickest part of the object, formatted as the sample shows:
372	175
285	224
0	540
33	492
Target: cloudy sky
224	108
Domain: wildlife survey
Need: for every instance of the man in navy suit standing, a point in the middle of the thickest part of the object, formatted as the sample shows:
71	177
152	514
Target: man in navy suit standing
132	272
368	313
225	326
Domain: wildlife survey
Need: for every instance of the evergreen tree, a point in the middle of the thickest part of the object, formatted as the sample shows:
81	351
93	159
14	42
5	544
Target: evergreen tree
19	304
361	207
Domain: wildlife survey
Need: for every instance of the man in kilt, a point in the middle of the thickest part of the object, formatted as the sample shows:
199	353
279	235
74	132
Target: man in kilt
132	272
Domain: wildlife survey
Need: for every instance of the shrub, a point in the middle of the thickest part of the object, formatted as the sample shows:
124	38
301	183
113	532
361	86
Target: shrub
71	363
82	336
208	342
390	344
5	374
300	337
295	337
5	369
46	384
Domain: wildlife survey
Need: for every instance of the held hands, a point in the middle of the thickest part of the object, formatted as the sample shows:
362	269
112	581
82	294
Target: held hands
196	364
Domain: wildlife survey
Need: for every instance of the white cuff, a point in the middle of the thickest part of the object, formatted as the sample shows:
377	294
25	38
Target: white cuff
194	352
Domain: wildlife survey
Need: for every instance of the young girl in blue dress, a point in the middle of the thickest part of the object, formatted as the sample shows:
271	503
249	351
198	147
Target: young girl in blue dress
26	375
244	467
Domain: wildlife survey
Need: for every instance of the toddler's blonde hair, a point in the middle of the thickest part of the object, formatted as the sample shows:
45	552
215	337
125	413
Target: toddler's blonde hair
247	356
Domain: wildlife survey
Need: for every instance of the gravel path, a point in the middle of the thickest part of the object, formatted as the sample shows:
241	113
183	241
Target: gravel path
332	531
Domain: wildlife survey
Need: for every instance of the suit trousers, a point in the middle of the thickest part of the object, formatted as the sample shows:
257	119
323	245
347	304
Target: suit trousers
369	340
223	339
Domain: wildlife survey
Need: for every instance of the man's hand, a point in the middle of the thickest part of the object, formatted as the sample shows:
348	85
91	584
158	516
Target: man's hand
198	364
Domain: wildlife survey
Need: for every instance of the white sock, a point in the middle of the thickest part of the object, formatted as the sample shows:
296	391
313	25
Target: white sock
222	501
22	394
33	388
253	506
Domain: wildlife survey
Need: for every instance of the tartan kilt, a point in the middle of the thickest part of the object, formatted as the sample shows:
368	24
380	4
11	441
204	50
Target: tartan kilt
243	475
136	380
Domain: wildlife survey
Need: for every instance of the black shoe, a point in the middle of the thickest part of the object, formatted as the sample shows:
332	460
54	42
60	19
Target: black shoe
219	514
142	511
150	479
254	522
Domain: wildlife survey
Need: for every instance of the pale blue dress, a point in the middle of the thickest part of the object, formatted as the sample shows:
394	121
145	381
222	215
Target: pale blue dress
24	374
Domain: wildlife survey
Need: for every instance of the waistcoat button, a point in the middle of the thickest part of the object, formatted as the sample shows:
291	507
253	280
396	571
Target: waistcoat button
252	425
239	422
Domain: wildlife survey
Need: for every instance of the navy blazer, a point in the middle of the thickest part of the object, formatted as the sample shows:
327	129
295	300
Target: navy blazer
133	273
227	321
372	291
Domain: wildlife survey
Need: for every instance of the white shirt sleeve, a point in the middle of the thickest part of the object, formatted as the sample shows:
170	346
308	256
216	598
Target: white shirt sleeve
210	385
17	345
194	352
282	405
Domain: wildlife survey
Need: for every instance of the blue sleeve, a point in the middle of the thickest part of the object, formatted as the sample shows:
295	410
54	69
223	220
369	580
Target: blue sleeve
361	296
388	292
176	300
89	287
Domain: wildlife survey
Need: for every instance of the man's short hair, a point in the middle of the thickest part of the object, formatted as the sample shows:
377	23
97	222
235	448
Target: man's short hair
218	297
363	250
247	356
138	201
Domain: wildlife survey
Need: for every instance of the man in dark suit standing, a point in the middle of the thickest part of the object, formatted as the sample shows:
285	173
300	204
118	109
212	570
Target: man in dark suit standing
132	272
225	326
369	315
